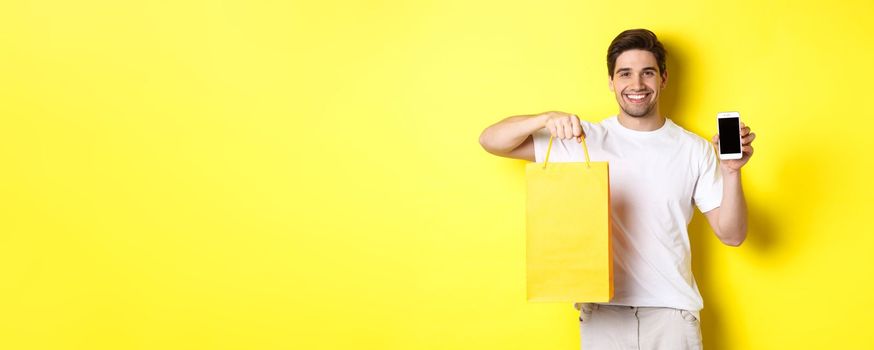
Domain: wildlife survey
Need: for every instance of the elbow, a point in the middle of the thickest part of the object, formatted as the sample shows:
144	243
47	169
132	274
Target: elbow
734	240
733	243
484	141
731	235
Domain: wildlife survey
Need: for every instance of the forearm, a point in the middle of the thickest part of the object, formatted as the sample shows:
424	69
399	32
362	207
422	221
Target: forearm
507	134
733	211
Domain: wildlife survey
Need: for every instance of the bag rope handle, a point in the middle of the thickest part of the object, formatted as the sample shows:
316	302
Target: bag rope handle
585	151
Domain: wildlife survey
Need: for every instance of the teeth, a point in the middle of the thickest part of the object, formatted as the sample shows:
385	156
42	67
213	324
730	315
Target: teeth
635	97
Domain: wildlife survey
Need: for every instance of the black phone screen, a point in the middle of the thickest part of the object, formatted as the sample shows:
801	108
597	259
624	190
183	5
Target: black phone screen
729	139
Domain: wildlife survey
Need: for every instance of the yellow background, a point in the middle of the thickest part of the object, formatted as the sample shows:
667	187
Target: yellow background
306	175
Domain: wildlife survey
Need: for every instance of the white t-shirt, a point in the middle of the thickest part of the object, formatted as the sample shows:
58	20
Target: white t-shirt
655	177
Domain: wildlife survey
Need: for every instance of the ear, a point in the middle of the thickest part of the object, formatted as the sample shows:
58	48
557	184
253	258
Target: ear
664	79
610	83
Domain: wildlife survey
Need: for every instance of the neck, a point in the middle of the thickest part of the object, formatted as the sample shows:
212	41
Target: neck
650	122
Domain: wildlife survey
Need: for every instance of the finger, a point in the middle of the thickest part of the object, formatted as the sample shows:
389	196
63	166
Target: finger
714	139
559	130
578	129
553	131
568	129
749	138
748	150
744	131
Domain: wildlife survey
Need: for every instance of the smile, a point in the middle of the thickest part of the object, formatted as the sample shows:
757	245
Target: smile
636	98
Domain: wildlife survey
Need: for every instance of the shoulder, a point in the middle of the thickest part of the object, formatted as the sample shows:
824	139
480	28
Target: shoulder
699	146
688	137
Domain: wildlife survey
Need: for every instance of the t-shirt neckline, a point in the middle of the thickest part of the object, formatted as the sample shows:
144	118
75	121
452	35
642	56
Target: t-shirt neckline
637	133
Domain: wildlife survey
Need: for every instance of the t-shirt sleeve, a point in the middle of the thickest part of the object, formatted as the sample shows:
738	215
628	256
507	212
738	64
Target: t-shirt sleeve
708	187
541	141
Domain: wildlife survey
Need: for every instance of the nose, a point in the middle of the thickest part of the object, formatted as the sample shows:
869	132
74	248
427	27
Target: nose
638	84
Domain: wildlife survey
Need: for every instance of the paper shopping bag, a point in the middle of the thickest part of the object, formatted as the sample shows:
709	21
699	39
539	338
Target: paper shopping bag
568	250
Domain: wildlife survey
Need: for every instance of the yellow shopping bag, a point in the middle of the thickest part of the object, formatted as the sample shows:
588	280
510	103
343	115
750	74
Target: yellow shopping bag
569	258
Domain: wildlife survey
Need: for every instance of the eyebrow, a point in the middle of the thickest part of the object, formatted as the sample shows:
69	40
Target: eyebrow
629	69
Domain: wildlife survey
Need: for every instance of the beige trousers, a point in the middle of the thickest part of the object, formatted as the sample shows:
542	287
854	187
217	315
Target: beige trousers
607	327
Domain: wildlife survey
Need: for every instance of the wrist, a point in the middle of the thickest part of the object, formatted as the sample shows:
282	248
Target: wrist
730	173
541	119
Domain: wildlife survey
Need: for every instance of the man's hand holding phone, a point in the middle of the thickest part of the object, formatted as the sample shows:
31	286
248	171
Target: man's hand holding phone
732	157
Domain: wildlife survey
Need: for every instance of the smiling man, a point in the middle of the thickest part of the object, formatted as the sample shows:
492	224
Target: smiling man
658	171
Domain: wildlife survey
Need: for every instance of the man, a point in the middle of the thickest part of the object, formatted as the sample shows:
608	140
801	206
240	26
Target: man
658	171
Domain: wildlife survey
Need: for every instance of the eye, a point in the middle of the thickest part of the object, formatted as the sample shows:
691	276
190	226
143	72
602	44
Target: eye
649	73
624	74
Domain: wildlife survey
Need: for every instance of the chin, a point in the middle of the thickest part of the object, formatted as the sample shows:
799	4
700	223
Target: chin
642	114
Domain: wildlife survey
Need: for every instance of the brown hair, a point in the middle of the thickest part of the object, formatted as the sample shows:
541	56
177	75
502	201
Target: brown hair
636	39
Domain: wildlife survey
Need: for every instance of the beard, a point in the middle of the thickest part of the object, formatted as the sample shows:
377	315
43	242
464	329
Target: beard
637	111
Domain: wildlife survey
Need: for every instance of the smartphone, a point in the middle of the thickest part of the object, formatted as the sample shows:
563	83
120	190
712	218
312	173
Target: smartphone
729	135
